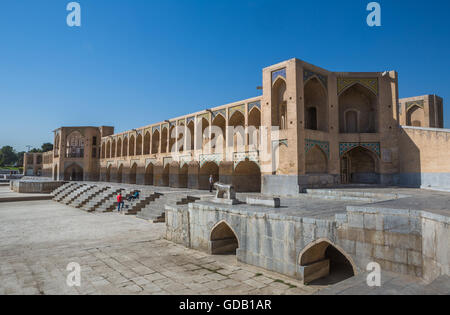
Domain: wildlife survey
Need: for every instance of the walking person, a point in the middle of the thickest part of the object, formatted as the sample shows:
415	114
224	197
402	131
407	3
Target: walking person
120	202
211	183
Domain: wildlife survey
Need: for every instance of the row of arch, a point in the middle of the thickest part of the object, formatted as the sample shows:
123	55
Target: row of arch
179	138
225	241
357	107
246	176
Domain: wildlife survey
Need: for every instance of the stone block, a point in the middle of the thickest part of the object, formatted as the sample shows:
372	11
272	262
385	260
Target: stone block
414	258
355	220
266	202
315	271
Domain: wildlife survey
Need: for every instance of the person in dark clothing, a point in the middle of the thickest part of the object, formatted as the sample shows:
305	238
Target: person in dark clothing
211	183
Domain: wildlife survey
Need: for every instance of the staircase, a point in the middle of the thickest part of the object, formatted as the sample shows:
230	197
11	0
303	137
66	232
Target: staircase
86	197
103	197
66	192
76	194
155	211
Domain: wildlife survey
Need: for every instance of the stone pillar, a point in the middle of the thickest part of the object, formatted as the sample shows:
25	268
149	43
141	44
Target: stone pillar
193	170
226	169
140	174
174	172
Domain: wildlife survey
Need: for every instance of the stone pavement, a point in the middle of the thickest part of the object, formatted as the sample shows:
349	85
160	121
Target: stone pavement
117	254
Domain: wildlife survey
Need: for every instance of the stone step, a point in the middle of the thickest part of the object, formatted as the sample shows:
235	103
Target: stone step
88	196
66	192
76	194
61	189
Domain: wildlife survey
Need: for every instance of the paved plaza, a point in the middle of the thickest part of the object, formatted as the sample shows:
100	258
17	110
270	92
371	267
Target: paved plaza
118	255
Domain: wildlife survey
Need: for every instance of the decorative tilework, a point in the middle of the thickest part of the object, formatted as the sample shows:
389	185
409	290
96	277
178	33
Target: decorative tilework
167	160
278	73
205	115
238	157
278	143
232	110
180	122
156	128
184	159
344	147
370	83
216	158
310	74
253	105
150	161
164	126
324	145
414	103
189	119
222	112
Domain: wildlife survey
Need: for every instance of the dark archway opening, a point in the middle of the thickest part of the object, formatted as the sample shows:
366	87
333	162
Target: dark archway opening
324	264
223	240
149	175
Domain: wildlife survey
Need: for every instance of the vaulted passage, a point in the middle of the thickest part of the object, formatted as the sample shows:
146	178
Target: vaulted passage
247	177
108	174
415	116
323	264
209	168
359	166
223	240
358	110
73	173
133	170
316	113
149	175
119	174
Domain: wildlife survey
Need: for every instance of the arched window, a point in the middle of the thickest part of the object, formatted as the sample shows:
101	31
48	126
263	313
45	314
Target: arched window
75	145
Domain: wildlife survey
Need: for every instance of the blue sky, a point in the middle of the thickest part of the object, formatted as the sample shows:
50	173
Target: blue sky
136	62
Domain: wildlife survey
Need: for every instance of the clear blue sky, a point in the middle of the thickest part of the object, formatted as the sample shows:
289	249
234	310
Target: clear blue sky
136	62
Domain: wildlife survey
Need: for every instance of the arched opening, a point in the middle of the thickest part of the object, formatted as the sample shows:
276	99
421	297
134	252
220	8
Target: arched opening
204	136
180	138
223	240
73	173
125	147
183	176
75	145
237	122
164	135
361	100
311	118
172	139
147	143
316	108
218	134
132	146
149	174
155	142
120	173
316	161
359	166
55	172
108	149
165	180
279	104
139	145
323	263
133	171
254	124
190	136
56	151
351	121
119	147
113	149
209	168
247	177
103	150
108	174
415	116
